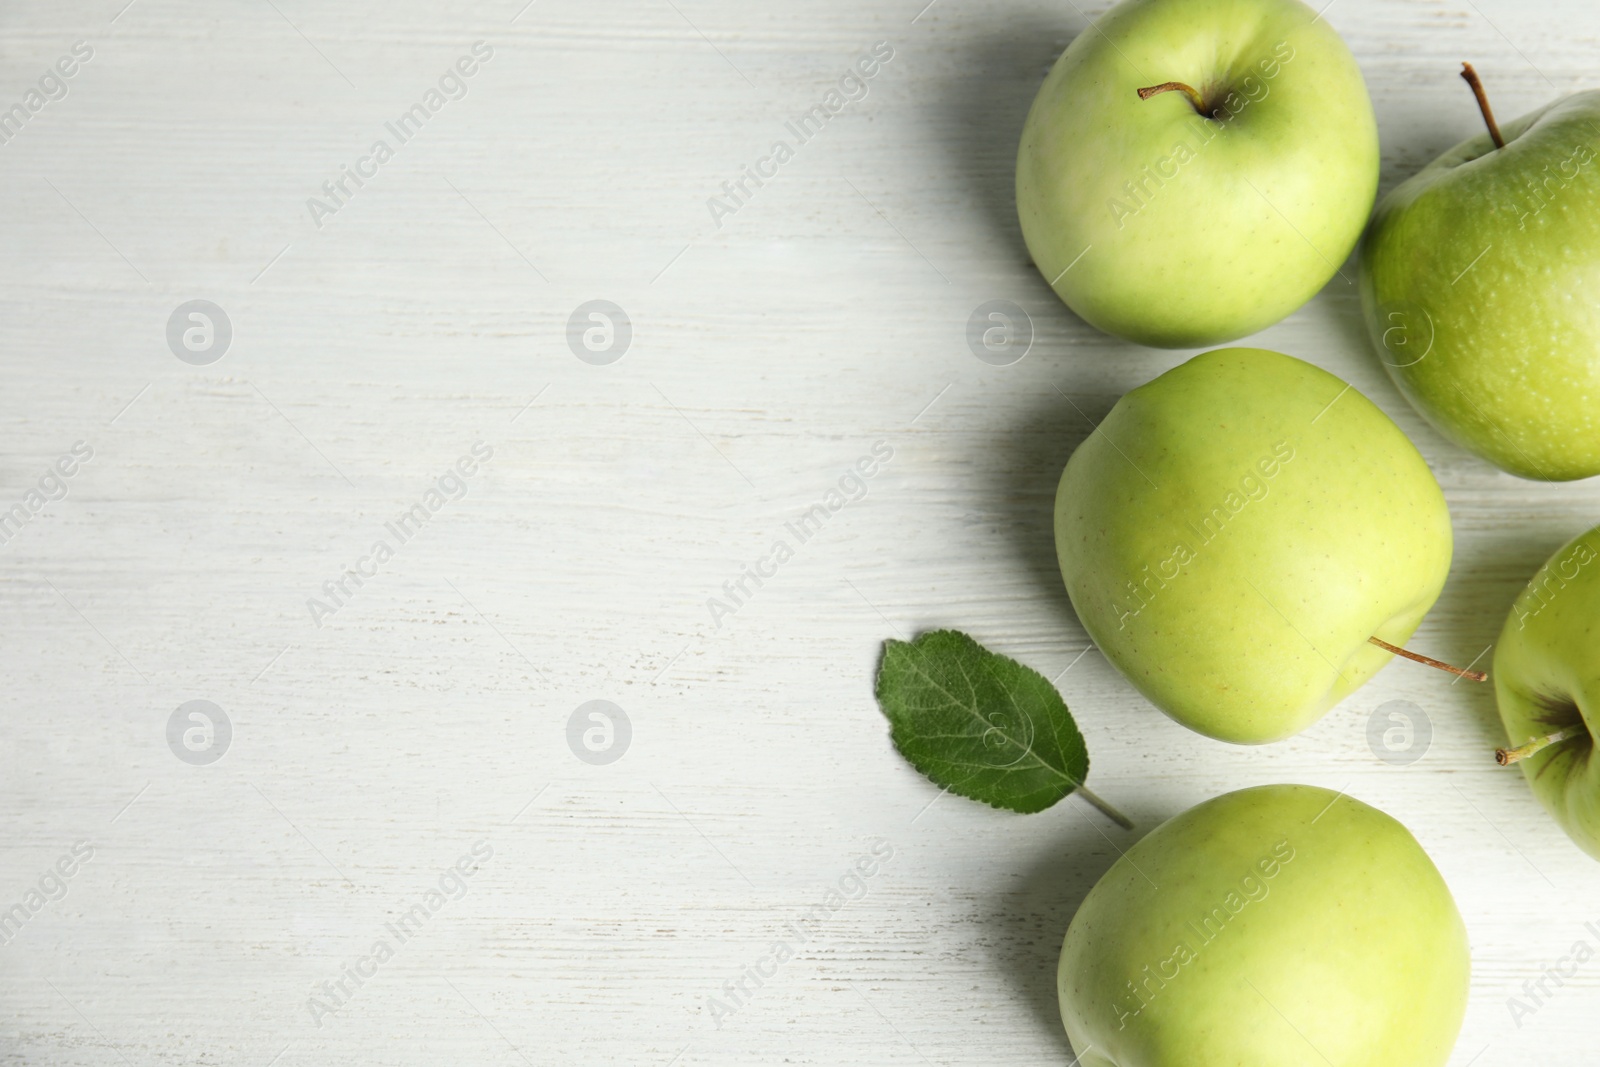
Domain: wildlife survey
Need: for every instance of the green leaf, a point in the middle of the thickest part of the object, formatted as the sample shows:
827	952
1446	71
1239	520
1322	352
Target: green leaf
980	724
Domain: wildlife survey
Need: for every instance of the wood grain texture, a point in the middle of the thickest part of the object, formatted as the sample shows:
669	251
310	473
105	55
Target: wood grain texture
769	353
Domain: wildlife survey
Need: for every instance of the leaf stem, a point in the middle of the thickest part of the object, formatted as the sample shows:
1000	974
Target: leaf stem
1105	809
1507	756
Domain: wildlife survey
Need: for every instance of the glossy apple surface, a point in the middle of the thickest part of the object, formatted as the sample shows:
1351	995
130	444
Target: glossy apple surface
1235	531
1547	679
1478	283
1280	926
1179	224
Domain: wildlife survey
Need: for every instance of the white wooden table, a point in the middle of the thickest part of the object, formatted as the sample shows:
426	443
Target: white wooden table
371	745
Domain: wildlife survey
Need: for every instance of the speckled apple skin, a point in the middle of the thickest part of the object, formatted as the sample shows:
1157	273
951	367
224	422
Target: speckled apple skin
1267	626
1233	239
1479	278
1547	677
1351	951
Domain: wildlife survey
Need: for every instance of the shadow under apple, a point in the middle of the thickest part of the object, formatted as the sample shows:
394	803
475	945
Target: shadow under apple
981	102
1025	923
1035	449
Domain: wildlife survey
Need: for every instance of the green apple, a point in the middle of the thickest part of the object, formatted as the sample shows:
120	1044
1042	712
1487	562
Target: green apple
1235	532
1280	926
1184	220
1547	682
1477	282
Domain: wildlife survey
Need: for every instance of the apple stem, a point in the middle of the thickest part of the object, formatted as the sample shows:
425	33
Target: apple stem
1106	809
1470	76
1170	87
1471	676
1507	756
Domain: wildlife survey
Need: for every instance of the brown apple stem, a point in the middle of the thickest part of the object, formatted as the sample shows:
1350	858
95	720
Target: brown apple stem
1507	756
1106	809
1170	87
1471	676
1470	76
